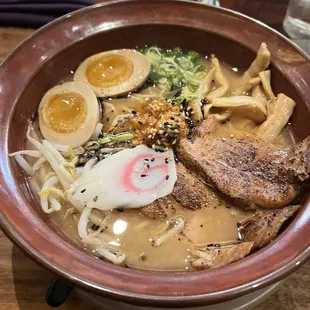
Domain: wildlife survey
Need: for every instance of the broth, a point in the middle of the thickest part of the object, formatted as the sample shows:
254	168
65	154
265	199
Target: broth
133	233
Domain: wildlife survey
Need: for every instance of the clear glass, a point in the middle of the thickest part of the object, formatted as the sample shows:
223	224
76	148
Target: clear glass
297	22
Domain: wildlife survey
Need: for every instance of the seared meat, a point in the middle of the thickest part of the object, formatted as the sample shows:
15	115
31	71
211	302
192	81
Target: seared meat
214	256
189	191
244	167
161	208
154	211
264	226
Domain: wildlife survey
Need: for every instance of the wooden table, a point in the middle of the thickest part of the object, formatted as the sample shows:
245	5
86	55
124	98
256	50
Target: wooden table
23	283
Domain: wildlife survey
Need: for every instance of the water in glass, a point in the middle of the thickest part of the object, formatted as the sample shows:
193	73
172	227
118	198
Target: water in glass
297	22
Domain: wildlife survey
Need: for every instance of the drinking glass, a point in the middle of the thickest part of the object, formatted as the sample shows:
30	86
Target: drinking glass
297	22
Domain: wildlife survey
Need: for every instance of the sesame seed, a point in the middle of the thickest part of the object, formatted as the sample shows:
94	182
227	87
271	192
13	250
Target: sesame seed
143	175
95	198
153	159
83	190
167	177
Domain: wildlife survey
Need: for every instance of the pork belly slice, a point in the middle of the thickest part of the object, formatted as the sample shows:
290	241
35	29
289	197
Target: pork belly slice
160	209
190	192
215	256
244	167
264	225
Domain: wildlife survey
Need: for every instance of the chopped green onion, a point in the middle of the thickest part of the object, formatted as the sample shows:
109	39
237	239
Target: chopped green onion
125	136
173	69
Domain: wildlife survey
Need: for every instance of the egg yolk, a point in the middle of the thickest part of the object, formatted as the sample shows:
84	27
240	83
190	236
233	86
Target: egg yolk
109	70
65	112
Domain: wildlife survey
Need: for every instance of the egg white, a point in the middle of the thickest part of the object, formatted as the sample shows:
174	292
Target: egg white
141	70
86	129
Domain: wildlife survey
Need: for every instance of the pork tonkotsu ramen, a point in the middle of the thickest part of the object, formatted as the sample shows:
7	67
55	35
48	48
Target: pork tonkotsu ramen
161	159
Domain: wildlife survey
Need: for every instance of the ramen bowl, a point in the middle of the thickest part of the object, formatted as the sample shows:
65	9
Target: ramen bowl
52	52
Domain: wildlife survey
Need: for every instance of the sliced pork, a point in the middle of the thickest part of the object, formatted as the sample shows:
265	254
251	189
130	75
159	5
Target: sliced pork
264	226
213	256
244	167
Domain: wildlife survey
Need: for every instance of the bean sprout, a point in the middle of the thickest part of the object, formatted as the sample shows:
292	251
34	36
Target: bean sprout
176	225
69	211
53	151
39	163
31	153
97	131
52	161
61	147
24	164
116	257
82	225
44	199
54	202
49	175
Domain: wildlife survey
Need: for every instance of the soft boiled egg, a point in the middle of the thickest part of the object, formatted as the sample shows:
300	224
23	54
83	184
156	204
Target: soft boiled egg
131	178
68	114
114	73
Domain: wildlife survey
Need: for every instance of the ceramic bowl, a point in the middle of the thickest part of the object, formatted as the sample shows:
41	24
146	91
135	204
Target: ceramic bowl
52	52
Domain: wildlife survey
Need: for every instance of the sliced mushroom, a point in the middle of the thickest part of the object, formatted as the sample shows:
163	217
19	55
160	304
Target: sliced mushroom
223	116
221	80
203	89
217	255
242	105
258	93
283	110
196	113
263	226
206	110
246	88
265	77
260	63
205	85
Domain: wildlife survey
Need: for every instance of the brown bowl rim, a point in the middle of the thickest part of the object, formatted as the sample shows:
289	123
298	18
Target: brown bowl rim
179	297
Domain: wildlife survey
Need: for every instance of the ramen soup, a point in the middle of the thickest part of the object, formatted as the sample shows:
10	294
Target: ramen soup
160	159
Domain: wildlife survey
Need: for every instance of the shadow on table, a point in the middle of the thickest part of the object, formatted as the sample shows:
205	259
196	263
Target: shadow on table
31	282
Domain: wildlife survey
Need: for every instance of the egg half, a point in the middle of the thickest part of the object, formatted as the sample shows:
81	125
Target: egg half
69	113
114	73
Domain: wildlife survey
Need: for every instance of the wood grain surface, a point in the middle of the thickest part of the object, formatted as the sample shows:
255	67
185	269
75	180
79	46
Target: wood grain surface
23	283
